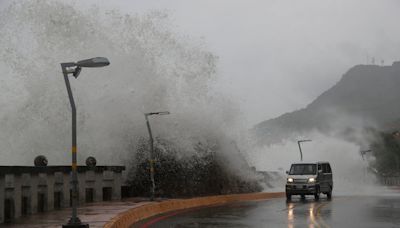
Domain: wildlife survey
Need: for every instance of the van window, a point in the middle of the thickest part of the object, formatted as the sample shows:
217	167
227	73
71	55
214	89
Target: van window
329	170
326	168
303	169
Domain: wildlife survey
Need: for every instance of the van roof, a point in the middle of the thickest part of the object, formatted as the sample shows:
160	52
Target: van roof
318	162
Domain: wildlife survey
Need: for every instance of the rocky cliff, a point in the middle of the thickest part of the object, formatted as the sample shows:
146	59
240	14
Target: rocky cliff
366	96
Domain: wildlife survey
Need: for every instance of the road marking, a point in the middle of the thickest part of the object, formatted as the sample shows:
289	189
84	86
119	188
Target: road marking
157	219
319	217
319	208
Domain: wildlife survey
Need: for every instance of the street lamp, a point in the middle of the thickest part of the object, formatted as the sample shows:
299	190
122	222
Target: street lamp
299	143
364	152
75	69
151	160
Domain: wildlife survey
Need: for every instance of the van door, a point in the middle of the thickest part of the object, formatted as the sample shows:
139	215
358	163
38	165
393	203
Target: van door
320	177
329	177
324	186
327	173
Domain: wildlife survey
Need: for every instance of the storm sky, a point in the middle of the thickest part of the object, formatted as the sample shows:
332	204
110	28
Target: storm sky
276	56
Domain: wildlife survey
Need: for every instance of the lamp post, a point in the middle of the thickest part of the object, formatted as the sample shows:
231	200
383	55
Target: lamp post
299	143
363	153
151	160
75	69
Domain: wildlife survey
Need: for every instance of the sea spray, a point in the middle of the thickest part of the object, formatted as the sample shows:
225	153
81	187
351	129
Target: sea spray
152	69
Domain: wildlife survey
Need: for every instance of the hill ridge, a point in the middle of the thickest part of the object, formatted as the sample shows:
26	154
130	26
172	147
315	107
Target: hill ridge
365	96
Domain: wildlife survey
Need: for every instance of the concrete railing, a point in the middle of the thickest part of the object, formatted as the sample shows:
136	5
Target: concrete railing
127	218
391	181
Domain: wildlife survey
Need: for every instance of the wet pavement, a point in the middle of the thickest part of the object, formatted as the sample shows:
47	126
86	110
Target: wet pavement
96	215
341	211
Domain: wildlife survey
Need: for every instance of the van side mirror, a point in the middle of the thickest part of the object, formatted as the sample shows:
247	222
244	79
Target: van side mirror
287	172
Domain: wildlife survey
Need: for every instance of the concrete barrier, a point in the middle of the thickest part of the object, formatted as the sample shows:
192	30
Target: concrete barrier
131	216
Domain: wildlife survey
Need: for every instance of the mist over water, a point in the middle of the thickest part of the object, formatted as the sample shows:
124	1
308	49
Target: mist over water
351	174
152	69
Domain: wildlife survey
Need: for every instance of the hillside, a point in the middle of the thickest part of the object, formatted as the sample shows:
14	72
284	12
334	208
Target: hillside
366	96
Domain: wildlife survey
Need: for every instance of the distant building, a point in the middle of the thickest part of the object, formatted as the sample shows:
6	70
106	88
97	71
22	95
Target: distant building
26	190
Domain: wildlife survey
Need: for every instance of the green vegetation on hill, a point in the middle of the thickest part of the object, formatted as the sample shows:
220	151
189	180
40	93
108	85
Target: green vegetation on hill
386	149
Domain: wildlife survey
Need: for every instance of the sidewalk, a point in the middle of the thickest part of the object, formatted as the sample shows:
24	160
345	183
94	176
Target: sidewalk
96	214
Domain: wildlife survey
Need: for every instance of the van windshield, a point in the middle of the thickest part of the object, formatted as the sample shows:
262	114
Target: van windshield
303	169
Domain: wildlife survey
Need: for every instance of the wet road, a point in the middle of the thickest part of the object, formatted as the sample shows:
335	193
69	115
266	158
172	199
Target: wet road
341	211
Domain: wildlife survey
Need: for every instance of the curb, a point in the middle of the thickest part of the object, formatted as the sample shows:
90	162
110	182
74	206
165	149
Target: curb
133	215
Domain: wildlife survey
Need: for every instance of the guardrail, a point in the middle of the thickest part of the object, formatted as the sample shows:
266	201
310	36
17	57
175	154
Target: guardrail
390	181
127	218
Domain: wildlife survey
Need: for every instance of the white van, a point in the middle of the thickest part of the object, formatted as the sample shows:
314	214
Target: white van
307	178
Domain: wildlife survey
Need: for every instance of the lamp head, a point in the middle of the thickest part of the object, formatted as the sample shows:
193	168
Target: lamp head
157	113
77	72
305	140
75	68
163	113
93	62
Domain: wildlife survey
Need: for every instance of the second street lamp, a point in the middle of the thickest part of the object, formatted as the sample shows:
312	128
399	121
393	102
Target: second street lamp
299	143
75	69
151	159
364	152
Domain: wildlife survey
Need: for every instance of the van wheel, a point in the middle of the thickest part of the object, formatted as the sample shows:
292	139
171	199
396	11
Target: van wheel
316	195
329	194
288	197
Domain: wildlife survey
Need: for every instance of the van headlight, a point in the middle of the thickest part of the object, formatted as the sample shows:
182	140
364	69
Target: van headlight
290	180
311	180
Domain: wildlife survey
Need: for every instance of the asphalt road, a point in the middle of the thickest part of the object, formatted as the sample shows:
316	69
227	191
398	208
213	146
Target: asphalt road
341	211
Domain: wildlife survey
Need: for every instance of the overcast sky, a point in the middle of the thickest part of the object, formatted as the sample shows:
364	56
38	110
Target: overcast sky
276	56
